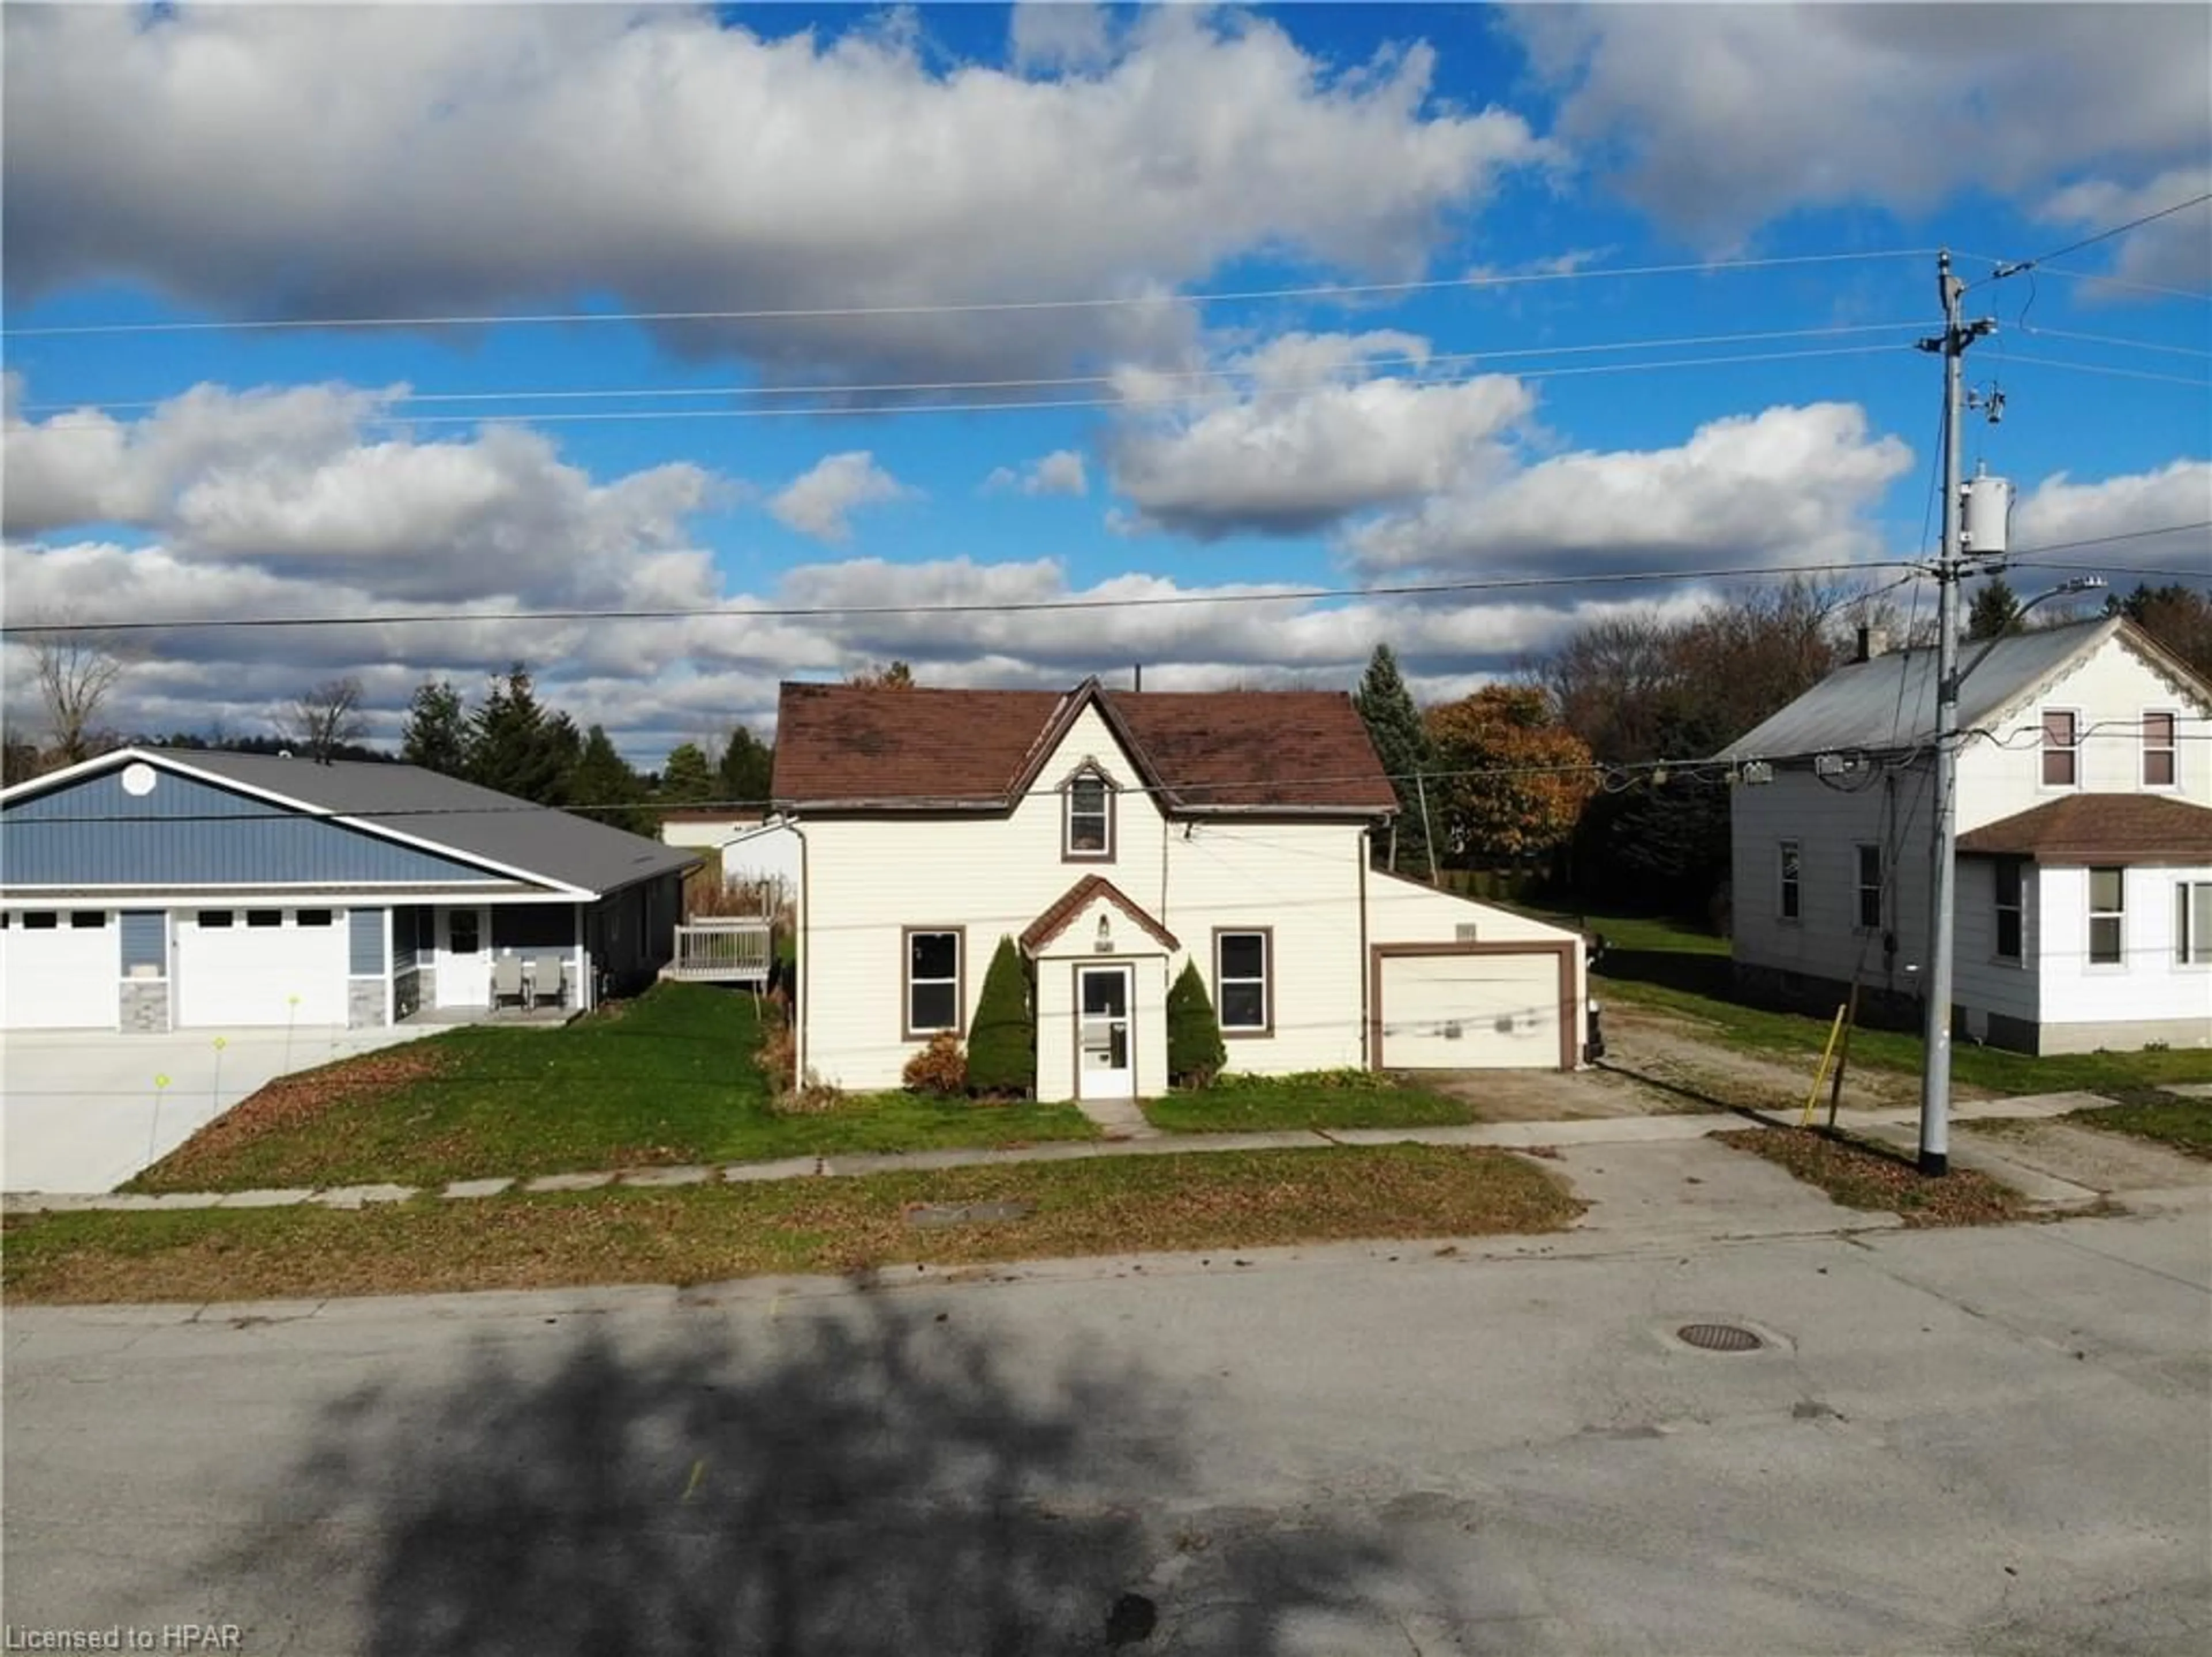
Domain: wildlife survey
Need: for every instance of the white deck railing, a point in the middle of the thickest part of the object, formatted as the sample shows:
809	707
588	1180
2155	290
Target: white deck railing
720	949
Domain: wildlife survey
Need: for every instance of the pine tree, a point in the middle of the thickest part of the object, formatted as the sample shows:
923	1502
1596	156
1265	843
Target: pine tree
436	735
515	747
687	779
1991	613
603	779
747	769
1195	1052
1401	742
1002	1041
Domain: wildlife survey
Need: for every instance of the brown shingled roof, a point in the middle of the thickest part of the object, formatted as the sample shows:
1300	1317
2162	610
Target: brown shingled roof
1222	749
1056	920
2099	828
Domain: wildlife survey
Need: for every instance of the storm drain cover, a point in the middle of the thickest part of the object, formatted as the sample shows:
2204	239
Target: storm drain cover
1719	1337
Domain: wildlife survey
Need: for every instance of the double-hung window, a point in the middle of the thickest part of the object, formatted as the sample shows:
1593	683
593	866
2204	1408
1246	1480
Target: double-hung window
2009	914
1244	981
2061	749
1790	904
933	981
1088	836
1869	888
2108	899
2192	923
2158	751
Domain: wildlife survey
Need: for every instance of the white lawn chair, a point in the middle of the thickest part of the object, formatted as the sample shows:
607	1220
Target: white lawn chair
552	988
507	982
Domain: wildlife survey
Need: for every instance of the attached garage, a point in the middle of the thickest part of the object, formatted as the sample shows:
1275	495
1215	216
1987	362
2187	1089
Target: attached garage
58	969
261	966
1474	1006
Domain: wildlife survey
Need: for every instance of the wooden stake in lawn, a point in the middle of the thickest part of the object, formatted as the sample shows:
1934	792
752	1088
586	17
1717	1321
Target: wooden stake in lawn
1835	1032
153	1127
1843	1054
214	1088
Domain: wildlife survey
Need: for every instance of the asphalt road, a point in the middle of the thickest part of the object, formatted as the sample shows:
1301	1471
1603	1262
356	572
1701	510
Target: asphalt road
1993	1441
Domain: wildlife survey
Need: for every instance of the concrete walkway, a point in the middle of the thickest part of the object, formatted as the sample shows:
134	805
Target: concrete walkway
1892	1125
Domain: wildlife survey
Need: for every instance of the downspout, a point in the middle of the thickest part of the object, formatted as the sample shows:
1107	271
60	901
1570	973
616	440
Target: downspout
805	949
1366	1055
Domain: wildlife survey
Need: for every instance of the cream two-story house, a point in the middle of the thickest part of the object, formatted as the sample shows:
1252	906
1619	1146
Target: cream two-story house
1115	836
2084	876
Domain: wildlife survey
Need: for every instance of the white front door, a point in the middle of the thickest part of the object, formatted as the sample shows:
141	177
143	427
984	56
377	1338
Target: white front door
1103	1066
464	958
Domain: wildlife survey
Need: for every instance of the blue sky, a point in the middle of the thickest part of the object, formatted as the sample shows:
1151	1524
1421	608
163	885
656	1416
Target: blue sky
235	165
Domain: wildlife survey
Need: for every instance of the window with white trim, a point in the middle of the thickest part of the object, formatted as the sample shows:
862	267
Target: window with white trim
2108	900
1789	901
1088	818
1869	888
2010	912
2061	749
1242	972
2192	923
2158	751
932	982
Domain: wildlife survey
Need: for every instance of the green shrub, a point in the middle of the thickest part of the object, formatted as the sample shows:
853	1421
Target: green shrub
1002	1044
1195	1053
940	1068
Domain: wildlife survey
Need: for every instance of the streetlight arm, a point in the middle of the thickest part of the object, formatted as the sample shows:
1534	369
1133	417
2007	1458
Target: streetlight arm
2064	589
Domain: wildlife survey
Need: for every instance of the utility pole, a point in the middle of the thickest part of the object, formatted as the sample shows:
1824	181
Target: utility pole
1935	1071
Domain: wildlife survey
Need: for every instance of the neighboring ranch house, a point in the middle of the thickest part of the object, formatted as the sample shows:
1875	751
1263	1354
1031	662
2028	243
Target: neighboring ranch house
1115	836
2083	895
754	851
156	889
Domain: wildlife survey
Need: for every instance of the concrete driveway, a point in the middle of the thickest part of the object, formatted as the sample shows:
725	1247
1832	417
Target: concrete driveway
81	1111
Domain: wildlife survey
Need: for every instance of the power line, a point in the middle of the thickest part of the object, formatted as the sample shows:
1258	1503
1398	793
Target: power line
1134	400
2115	339
2017	267
1514	353
2197	384
1329	291
1285	596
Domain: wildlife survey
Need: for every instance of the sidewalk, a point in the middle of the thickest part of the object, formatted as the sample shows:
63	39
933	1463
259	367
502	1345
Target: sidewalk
1504	1136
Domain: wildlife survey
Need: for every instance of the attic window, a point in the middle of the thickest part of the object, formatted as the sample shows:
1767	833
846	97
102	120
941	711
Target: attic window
2062	744
1087	834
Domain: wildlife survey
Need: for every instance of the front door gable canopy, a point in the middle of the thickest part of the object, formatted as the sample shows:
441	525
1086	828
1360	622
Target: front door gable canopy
1078	898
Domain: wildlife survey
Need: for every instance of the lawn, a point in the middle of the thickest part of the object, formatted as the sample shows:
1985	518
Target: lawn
1663	965
2181	1124
1190	1200
1870	1177
1332	1099
667	1079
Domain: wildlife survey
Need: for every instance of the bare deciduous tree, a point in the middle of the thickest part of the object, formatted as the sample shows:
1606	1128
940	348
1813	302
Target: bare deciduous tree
326	719
76	672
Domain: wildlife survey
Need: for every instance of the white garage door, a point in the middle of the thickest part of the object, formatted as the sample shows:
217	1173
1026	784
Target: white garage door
1464	1012
59	969
246	966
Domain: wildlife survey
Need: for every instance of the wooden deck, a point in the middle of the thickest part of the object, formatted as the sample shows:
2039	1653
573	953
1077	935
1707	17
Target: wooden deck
719	949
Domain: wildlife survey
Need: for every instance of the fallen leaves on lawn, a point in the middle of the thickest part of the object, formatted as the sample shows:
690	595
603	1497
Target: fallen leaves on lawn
709	1233
291	1102
1862	1177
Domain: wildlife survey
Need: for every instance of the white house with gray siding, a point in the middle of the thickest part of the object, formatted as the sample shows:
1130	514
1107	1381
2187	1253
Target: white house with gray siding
156	889
2083	896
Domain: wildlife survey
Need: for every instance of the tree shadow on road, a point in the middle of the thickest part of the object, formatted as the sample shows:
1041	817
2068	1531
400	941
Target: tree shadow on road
862	1479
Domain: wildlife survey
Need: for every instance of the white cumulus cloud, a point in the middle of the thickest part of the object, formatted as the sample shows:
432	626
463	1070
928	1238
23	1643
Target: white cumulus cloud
1061	472
822	500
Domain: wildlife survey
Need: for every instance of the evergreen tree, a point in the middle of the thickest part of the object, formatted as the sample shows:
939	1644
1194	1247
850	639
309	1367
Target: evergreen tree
1002	1041
687	779
516	746
1991	613
602	777
747	769
1195	1052
436	735
1401	742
